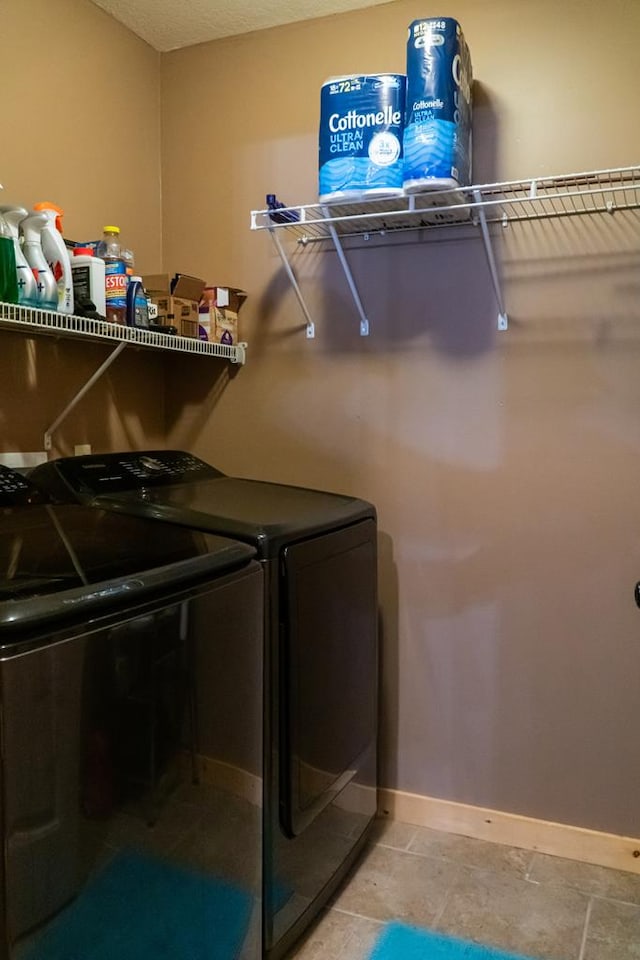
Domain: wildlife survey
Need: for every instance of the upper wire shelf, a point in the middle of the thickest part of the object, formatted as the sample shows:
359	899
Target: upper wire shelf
600	191
28	319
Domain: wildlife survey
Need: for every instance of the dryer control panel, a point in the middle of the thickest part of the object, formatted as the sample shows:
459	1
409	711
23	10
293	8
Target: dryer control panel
96	475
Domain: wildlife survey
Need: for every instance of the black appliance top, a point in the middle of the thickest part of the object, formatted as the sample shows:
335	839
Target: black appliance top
175	486
71	562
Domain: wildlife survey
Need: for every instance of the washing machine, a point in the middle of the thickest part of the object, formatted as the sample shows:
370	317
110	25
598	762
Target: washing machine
317	551
131	736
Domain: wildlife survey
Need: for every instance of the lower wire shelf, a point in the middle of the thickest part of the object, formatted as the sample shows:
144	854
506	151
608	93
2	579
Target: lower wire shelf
30	321
48	322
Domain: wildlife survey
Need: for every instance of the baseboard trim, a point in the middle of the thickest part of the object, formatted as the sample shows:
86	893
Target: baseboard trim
544	836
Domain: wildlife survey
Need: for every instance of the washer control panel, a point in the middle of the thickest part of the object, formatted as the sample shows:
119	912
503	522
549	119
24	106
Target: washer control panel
16	490
96	475
163	466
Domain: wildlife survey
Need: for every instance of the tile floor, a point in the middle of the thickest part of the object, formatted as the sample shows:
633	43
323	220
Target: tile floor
540	906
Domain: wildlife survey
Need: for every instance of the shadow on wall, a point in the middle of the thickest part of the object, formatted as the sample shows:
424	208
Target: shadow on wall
485	135
39	376
193	389
433	283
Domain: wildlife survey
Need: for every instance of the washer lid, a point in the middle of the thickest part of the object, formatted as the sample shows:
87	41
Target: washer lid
61	562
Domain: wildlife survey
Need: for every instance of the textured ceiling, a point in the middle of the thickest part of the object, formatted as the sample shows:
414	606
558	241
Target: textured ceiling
170	24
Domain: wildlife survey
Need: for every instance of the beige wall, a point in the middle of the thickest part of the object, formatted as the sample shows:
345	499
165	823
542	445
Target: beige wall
505	468
81	127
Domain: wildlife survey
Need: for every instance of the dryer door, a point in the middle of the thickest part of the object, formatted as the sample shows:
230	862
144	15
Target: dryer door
329	654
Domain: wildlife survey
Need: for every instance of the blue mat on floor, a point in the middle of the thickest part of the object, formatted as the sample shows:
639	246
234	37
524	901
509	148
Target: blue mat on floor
401	942
142	908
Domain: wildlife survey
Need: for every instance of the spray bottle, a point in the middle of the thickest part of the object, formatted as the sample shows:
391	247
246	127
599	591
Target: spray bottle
27	287
32	227
56	254
8	275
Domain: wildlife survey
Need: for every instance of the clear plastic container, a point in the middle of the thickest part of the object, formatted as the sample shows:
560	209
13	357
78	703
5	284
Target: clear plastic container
127	256
109	247
110	250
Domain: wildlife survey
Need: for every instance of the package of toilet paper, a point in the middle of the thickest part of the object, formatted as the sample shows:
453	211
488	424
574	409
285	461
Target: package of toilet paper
360	141
437	131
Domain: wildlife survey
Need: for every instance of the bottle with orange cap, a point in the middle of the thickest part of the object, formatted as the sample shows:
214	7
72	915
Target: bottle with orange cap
56	253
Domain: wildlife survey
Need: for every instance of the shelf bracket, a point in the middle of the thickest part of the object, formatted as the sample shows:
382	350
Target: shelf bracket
364	323
503	320
311	330
80	394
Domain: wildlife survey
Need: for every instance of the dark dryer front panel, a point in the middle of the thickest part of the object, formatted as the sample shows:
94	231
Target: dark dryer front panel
322	796
329	670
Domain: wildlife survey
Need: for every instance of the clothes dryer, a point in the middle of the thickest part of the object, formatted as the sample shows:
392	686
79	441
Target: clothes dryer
318	555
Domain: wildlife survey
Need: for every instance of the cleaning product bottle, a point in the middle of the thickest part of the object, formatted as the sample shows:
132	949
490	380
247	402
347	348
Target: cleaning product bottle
56	253
27	287
137	307
32	227
88	274
127	256
8	273
109	249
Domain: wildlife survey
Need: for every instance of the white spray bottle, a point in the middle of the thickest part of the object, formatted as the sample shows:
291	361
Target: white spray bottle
27	287
56	254
32	227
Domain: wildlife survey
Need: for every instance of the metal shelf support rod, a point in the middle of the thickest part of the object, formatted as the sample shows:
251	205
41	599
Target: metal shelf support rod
311	330
364	323
80	394
503	320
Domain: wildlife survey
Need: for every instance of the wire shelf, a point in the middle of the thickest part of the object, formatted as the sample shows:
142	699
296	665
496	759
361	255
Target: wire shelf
595	192
28	319
542	198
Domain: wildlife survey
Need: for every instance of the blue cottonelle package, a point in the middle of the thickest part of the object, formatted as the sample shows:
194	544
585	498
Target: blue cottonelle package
361	125
437	131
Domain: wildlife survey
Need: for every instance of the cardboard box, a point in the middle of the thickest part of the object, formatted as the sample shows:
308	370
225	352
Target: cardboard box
181	285
224	306
224	328
188	327
229	298
186	287
185	316
156	283
176	312
177	300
